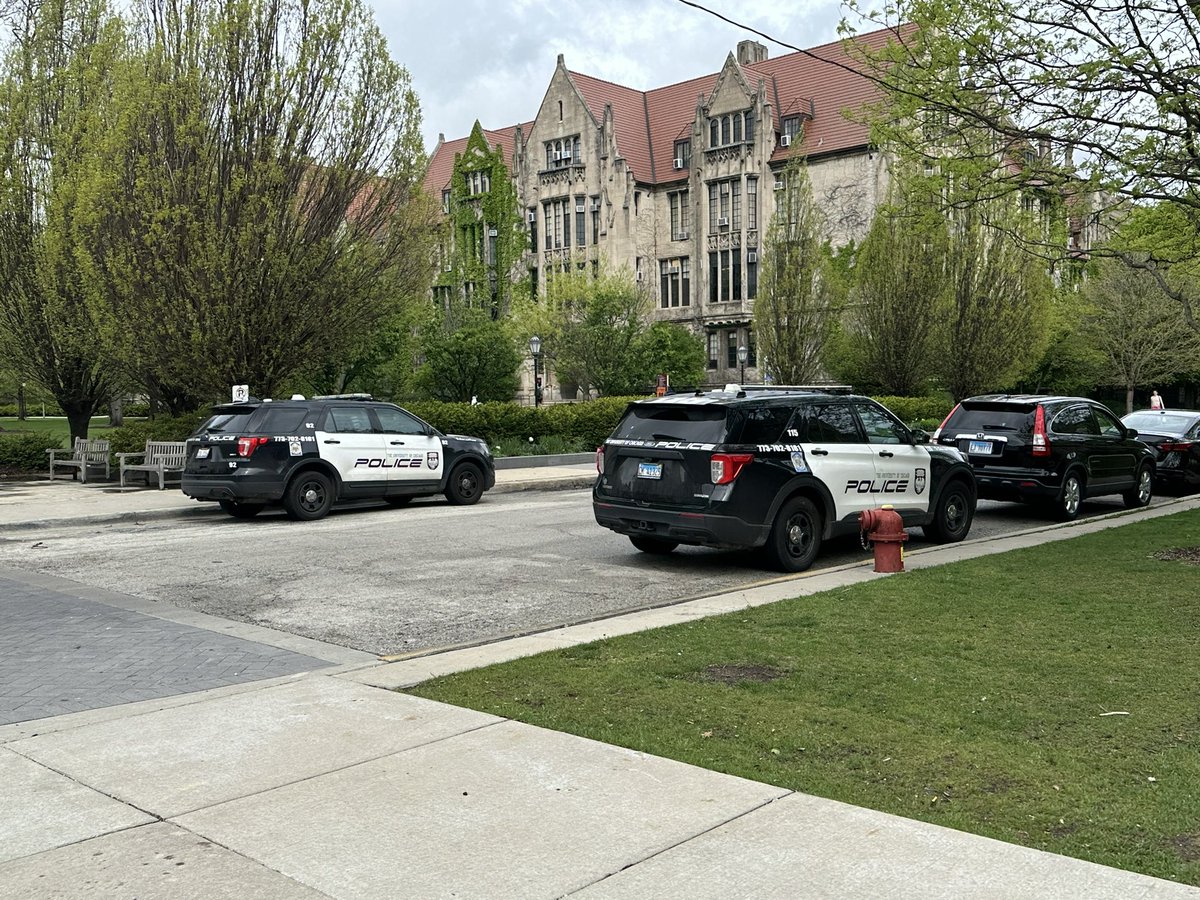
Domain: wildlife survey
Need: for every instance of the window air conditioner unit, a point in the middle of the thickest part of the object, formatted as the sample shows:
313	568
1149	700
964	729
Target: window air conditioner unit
785	140
595	203
723	222
555	155
579	207
492	232
532	217
780	184
752	256
679	162
640	275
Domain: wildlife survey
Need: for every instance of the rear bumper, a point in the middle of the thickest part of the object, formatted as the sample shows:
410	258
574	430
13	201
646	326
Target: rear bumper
1016	488
696	528
242	489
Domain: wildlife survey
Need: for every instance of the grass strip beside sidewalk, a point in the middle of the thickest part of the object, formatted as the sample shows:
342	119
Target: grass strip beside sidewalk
1048	697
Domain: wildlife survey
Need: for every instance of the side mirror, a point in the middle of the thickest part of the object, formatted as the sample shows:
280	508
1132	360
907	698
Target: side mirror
1131	432
920	436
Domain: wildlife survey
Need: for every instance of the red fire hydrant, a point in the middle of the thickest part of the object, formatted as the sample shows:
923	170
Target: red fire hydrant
884	528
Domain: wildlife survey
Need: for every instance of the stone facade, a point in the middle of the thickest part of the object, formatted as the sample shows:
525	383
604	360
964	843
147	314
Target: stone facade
678	184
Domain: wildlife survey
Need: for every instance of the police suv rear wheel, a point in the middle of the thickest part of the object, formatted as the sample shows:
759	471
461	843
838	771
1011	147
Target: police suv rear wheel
308	497
795	538
465	485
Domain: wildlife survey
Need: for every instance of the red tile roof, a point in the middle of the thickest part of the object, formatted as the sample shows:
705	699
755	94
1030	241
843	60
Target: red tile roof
441	164
649	122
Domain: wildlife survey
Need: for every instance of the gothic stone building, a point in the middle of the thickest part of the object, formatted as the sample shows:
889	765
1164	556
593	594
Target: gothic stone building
677	183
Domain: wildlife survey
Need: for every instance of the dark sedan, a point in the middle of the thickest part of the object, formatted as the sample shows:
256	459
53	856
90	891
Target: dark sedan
1174	435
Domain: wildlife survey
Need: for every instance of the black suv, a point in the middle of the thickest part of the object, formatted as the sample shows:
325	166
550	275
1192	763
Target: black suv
1053	450
779	470
309	454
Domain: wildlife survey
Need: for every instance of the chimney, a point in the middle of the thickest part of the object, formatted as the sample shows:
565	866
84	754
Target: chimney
750	52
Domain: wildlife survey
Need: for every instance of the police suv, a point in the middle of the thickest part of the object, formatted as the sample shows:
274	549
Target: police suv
309	454
778	470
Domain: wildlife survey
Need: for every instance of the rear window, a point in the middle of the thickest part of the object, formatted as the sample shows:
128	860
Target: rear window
228	421
989	417
1158	423
689	424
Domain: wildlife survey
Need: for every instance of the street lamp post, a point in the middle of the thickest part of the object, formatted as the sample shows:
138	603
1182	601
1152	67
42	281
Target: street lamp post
535	348
742	354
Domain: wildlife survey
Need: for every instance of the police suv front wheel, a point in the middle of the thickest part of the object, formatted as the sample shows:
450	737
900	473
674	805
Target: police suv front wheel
465	485
952	516
309	496
795	537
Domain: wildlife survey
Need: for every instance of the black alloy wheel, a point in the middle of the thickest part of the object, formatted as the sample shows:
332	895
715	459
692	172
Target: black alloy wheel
952	518
795	537
308	497
465	485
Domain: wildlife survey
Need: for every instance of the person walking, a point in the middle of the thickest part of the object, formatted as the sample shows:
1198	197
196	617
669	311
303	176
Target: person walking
1156	402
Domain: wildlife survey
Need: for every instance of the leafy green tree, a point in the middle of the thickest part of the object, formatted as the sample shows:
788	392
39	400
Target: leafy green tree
596	325
1141	335
994	329
475	357
1071	363
268	216
486	240
55	98
671	349
1078	97
901	282
797	309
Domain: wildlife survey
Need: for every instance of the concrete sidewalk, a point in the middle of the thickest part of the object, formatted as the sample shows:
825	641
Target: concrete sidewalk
320	784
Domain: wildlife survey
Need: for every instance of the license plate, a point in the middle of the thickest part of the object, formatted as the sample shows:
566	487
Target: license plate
979	447
202	452
649	470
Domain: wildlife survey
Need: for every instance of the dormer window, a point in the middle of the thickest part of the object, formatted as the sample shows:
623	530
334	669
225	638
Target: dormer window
563	152
733	128
683	155
791	129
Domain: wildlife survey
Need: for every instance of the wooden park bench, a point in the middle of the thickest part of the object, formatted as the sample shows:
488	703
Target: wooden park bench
85	454
161	458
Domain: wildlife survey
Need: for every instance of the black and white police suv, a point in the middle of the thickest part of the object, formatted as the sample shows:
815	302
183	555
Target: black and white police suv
779	470
309	454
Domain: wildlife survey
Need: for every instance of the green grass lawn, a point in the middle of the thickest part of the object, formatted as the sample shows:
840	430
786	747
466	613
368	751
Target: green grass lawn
1048	697
52	427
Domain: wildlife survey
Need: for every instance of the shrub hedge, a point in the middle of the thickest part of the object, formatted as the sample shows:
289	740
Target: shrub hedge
24	452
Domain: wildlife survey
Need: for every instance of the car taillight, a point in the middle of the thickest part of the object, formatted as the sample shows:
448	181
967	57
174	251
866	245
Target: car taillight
247	445
600	459
938	432
1175	446
725	466
1041	444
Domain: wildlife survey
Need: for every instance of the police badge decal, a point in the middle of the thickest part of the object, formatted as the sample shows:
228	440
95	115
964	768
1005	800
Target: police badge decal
431	459
919	481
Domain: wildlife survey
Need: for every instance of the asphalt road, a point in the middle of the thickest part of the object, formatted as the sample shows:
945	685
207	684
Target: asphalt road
394	581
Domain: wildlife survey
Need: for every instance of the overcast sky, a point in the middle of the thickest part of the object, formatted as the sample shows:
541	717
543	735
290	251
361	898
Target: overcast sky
492	59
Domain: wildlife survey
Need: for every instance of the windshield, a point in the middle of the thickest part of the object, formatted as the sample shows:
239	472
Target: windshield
227	422
991	417
686	424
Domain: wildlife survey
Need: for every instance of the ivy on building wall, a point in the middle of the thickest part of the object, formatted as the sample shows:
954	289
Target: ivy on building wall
485	239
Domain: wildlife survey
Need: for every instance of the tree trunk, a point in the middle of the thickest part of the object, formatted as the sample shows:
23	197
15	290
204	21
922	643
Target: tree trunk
21	400
116	415
1128	399
79	417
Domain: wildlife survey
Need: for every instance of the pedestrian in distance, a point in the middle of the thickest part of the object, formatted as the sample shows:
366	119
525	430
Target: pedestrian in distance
1156	402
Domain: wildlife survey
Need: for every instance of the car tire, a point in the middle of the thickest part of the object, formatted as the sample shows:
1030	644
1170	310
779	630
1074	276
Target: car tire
1141	493
397	502
656	546
795	538
952	516
308	497
1070	498
465	486
241	510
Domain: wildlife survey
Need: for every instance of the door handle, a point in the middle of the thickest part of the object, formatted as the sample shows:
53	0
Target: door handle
331	441
395	443
886	453
819	452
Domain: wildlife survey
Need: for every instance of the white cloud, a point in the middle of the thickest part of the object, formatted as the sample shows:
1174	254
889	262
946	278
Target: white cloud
492	59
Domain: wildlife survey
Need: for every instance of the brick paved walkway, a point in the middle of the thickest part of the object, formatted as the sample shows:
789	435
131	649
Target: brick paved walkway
62	654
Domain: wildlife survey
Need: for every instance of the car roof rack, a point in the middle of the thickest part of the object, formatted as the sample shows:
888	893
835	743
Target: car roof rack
342	397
